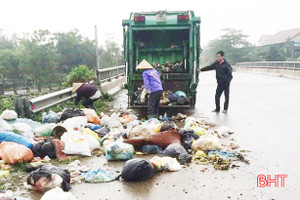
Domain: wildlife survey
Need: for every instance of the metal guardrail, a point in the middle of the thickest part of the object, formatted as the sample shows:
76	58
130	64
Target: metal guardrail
46	101
283	65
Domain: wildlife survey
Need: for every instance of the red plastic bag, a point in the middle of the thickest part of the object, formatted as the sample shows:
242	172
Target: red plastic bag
13	153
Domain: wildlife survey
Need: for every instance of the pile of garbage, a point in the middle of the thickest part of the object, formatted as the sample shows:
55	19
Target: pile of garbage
167	98
175	141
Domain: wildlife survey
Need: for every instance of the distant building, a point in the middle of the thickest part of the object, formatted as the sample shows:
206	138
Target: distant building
281	38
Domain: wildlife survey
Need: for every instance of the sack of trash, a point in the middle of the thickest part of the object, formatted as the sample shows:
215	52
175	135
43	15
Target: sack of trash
75	123
47	176
119	151
57	194
139	130
70	112
176	150
44	148
23	129
13	137
198	130
168	125
76	143
206	142
127	118
188	137
137	169
50	117
103	131
99	176
91	115
154	124
13	153
9	115
4	126
92	137
151	149
165	163
44	130
114	121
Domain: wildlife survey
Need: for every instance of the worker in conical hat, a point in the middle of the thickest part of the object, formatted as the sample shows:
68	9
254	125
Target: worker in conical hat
89	92
153	86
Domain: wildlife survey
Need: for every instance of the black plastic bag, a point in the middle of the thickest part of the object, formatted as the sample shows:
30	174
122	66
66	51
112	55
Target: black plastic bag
176	150
137	169
70	112
151	149
43	178
187	138
167	125
183	100
44	148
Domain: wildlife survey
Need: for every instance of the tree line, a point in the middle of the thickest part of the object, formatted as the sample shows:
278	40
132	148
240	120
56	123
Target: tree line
44	56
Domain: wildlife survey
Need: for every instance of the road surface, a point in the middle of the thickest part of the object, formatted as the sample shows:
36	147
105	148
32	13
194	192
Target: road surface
265	114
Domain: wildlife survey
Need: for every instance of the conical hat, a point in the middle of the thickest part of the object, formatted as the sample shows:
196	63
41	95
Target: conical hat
144	65
76	86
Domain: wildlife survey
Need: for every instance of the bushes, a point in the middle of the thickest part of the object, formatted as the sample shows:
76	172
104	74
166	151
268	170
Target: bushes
80	74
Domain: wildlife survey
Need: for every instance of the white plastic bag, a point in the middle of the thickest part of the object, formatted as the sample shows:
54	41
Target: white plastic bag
57	194
75	123
140	130
114	121
206	142
9	115
4	126
165	163
23	129
224	131
76	143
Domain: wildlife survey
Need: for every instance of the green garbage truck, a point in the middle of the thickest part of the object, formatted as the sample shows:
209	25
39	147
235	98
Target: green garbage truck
170	41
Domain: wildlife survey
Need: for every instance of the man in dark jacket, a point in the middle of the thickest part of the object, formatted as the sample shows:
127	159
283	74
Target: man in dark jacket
88	91
224	76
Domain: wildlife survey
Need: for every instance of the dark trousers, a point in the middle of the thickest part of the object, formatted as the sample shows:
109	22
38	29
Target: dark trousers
222	86
153	104
89	103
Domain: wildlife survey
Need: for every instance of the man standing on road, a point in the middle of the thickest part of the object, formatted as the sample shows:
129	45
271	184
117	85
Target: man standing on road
224	76
153	86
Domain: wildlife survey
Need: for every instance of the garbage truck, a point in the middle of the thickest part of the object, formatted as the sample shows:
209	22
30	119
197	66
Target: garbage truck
170	41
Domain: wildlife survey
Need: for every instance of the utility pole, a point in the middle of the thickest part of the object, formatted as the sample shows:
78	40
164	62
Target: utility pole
97	56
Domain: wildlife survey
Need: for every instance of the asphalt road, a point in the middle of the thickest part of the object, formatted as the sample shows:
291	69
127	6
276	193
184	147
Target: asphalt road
264	112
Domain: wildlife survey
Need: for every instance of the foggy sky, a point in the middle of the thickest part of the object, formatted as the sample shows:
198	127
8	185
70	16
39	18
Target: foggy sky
253	17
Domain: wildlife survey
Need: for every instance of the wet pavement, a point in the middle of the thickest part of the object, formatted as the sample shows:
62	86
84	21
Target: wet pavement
264	113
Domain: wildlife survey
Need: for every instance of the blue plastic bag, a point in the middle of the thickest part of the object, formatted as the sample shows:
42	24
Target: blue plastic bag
99	176
50	117
93	126
119	151
12	137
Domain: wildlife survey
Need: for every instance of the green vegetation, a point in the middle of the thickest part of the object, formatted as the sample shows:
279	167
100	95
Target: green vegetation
80	74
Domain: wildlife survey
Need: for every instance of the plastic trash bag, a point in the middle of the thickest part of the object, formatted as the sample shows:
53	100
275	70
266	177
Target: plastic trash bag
91	115
183	100
104	119
99	176
47	176
206	142
180	93
103	131
44	148
137	169
70	112
143	95
224	131
58	194
140	130
172	97
9	115
176	150
4	126
198	130
119	151
12	137
13	153
31	123
50	117
23	129
127	118
151	149
44	130
165	163
76	143
75	123
114	121
93	126
168	125
92	137
187	139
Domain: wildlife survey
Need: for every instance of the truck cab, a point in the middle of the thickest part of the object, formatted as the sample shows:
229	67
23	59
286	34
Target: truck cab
170	41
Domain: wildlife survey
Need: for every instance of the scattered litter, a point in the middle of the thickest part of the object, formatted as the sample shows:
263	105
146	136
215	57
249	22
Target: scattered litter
137	169
99	176
206	142
165	163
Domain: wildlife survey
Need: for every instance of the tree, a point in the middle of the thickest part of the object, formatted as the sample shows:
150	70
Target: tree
275	54
233	42
110	54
